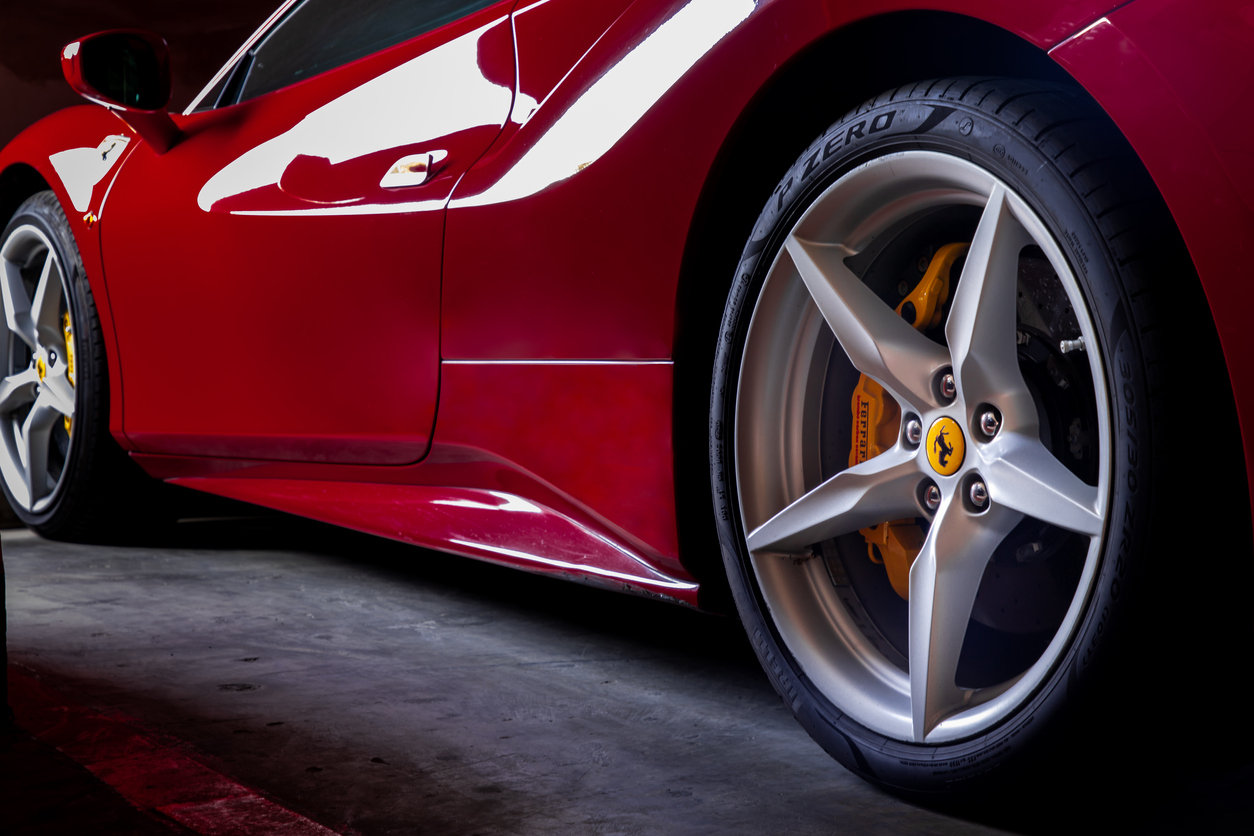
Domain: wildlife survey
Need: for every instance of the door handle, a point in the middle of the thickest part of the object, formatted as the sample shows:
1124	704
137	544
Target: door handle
413	170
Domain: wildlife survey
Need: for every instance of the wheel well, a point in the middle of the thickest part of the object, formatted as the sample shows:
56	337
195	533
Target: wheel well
17	182
842	70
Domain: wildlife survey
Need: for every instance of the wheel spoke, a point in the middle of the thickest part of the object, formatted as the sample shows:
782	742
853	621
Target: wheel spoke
1026	477
58	392
880	344
944	581
981	325
17	303
17	390
882	488
45	310
36	436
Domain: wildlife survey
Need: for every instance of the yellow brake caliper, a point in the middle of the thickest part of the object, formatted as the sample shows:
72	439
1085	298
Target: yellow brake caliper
67	328
876	418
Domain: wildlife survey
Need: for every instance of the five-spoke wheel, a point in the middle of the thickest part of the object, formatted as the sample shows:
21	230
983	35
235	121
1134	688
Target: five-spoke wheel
60	469
37	394
1005	475
923	425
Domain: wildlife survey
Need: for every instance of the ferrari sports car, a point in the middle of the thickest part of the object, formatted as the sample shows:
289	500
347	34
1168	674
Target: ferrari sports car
869	319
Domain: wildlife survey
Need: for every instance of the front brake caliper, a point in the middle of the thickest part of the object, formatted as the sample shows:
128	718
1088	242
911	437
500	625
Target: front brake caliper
67	328
876	418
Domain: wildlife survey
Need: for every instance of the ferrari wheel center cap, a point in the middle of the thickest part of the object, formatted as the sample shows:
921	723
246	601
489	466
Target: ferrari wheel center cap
945	446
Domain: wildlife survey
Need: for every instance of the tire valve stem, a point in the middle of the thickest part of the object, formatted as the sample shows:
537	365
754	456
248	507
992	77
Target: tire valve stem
1068	346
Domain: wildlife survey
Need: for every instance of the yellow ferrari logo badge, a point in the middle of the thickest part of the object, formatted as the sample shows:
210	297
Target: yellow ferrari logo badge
945	446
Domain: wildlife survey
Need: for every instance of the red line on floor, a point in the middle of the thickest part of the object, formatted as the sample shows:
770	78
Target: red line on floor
148	772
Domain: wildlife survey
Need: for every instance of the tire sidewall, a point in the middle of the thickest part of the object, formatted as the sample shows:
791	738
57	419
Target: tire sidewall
45	213
972	134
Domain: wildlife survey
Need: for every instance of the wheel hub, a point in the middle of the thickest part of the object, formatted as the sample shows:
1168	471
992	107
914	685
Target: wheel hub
946	447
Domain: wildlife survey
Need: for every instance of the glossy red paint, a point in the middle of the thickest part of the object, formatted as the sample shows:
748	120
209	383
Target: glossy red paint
600	204
598	433
280	317
556	33
317	286
83	129
605	486
152	122
72	64
1176	77
496	526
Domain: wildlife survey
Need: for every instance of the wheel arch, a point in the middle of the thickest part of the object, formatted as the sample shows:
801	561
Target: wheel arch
26	168
843	69
18	182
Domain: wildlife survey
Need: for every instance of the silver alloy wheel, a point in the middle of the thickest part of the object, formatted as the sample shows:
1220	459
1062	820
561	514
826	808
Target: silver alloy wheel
811	298
37	395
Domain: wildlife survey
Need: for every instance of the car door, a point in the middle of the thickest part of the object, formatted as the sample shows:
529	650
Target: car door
275	276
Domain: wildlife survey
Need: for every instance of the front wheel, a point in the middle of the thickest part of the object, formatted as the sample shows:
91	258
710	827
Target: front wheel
931	424
61	471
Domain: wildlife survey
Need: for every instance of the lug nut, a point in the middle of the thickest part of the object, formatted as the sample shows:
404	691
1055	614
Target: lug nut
932	497
979	494
948	386
990	423
914	431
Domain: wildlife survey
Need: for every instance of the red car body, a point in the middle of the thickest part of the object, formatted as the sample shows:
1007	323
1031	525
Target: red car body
510	362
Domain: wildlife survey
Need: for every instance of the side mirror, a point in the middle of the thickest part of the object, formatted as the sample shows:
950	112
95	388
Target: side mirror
127	71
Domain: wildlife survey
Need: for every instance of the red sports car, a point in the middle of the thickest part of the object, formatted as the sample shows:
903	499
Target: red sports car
612	290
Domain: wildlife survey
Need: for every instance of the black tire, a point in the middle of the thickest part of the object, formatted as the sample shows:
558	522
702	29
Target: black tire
1052	147
98	486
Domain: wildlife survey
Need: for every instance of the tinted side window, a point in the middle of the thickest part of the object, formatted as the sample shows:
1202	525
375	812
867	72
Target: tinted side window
319	35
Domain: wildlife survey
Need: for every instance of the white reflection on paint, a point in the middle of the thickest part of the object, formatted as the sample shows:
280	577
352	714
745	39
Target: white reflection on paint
360	209
611	106
510	503
80	169
524	106
436	94
585	568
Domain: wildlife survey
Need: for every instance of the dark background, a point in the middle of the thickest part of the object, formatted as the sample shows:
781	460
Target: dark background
201	35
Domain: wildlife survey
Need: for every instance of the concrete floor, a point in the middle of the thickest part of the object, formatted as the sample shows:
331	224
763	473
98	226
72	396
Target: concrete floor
379	689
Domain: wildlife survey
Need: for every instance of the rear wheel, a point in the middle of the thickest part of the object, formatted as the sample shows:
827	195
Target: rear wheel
930	424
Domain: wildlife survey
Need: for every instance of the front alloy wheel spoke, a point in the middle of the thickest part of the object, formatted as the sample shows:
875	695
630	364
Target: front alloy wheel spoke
17	390
982	320
45	309
1026	477
17	303
879	489
58	393
36	436
944	581
880	344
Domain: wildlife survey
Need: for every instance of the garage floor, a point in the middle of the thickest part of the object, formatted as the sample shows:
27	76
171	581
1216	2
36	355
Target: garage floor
376	688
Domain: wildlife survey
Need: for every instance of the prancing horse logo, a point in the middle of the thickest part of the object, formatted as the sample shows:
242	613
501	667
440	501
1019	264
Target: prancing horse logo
942	449
945	446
